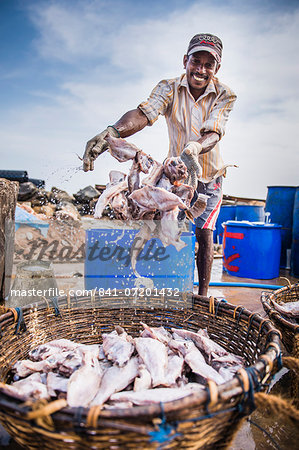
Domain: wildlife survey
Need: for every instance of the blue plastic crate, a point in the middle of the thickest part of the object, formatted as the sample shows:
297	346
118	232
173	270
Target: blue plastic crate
108	263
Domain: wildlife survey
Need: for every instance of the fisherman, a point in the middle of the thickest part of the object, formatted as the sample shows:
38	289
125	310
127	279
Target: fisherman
196	106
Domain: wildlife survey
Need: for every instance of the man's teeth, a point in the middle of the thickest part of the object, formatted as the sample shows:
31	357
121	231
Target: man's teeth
198	78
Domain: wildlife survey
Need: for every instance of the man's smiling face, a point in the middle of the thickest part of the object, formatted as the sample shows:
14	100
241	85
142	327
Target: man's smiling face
200	69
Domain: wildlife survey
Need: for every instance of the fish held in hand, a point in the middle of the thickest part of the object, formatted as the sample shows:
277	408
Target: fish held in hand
155	198
107	196
175	169
121	149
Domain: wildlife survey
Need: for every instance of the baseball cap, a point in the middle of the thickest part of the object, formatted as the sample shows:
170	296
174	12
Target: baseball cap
206	42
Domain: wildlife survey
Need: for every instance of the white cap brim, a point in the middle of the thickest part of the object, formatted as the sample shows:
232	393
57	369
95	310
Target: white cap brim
203	48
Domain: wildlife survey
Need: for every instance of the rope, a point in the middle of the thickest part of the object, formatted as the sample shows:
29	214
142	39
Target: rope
212	305
166	432
275	405
14	312
291	363
20	323
222	300
93	415
56	307
42	410
236	309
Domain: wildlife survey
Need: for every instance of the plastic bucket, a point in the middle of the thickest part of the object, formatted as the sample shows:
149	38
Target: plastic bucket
252	250
295	237
280	205
108	262
227	212
252	213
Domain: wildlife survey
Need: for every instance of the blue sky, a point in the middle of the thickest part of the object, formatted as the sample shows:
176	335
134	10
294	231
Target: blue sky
70	68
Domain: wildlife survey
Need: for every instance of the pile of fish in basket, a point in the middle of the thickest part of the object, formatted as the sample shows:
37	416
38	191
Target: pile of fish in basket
131	377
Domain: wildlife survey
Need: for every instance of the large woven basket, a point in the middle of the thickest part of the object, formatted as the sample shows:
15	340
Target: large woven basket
289	330
207	419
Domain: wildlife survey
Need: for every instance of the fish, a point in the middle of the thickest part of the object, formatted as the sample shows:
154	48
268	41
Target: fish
144	234
184	191
152	396
32	387
155	198
115	177
154	175
165	183
198	206
195	359
116	379
289	309
42	351
107	196
158	366
134	177
26	366
144	162
115	405
170	231
174	369
144	380
84	382
120	206
154	355
158	333
229	360
202	342
118	346
121	149
70	363
56	383
175	169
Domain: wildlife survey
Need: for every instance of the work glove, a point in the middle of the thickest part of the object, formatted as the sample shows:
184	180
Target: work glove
189	156
95	147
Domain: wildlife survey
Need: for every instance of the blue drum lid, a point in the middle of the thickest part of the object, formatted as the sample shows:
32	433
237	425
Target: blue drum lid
246	223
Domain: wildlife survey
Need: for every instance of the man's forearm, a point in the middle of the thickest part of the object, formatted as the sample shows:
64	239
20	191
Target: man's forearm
131	122
208	141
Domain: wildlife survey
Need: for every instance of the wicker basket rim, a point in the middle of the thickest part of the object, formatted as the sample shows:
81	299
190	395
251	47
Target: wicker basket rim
266	299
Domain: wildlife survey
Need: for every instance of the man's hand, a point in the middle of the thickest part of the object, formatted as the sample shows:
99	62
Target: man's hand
95	147
189	157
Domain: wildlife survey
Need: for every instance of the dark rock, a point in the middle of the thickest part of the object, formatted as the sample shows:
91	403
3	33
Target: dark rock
26	191
86	194
57	196
40	198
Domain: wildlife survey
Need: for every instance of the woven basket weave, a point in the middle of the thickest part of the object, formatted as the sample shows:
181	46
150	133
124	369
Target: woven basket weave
207	419
289	330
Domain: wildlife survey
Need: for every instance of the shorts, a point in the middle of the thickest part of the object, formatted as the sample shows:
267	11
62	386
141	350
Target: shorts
213	190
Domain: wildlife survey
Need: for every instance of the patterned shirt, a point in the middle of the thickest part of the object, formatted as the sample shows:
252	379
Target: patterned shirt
188	119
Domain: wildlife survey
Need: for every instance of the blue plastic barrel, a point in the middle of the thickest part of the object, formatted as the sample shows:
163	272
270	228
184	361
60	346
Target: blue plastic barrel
252	213
295	237
227	212
108	261
280	205
252	249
